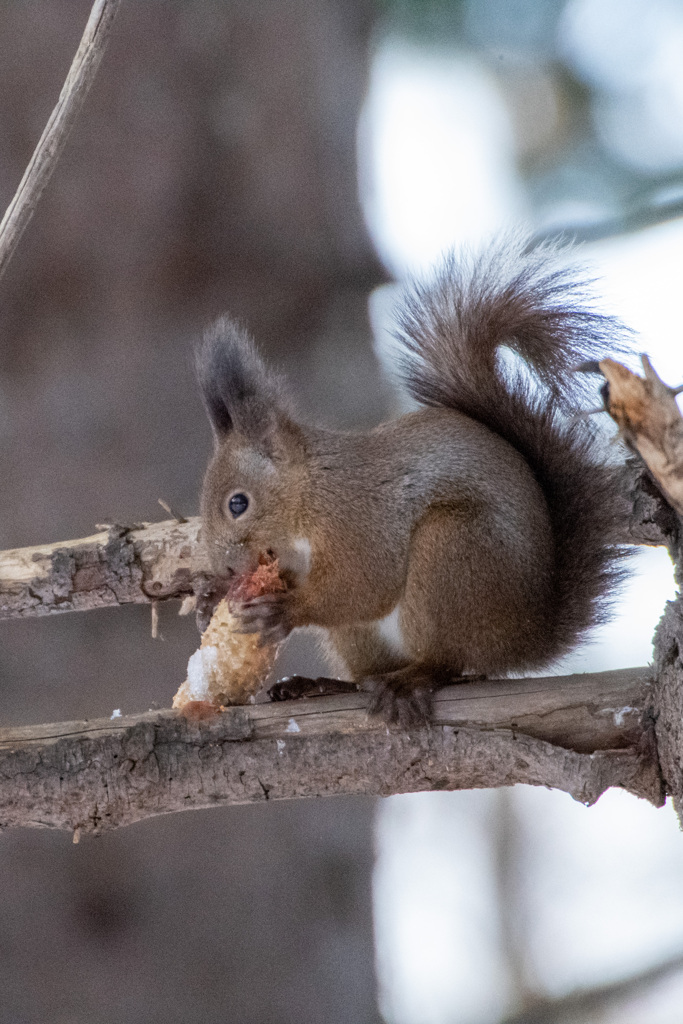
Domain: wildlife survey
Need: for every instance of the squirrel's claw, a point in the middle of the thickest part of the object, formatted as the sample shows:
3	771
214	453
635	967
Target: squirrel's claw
268	615
399	703
209	591
296	687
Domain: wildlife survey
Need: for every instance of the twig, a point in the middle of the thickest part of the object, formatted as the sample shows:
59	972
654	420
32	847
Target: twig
581	734
582	1005
644	213
155	620
44	160
174	515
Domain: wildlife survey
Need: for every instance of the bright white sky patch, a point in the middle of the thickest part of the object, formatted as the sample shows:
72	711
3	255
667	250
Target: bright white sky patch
604	897
437	153
633	51
606	886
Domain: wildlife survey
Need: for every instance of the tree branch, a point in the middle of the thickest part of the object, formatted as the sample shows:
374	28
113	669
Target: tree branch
592	1002
647	211
147	562
164	561
581	734
44	160
649	420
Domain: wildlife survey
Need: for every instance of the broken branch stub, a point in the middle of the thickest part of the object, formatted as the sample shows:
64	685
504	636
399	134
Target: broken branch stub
645	410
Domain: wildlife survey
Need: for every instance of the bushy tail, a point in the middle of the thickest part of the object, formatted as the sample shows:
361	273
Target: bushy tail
451	333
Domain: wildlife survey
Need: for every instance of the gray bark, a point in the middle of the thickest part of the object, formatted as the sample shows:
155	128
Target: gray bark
120	565
668	697
581	734
649	420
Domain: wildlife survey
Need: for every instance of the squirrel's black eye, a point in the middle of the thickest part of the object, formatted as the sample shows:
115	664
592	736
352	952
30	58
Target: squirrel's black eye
238	504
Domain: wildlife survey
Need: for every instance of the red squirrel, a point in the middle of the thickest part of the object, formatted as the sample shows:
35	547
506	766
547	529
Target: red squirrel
474	536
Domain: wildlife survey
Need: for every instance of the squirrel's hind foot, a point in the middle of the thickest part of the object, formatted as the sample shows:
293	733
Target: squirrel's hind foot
408	709
405	697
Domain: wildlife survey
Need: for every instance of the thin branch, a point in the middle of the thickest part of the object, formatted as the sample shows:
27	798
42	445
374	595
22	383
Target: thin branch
581	734
582	1005
165	561
645	213
44	160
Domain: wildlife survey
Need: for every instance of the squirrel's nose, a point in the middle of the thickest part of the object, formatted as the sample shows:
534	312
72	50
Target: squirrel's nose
237	559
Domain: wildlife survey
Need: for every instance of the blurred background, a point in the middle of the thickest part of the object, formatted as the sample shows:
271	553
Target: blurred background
292	162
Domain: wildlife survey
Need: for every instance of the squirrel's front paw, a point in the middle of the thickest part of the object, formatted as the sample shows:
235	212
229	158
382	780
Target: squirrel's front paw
269	615
208	591
295	687
400	701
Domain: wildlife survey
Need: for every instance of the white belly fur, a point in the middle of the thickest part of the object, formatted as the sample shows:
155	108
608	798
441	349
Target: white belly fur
389	628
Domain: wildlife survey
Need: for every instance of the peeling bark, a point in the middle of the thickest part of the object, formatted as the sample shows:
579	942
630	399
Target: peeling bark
650	422
142	563
581	734
653	522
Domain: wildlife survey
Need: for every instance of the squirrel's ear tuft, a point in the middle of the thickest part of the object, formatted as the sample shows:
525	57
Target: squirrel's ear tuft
240	392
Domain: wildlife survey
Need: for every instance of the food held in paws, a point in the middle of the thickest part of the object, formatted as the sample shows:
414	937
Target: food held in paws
231	667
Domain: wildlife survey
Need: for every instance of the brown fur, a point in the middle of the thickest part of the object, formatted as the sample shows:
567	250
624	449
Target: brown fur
484	521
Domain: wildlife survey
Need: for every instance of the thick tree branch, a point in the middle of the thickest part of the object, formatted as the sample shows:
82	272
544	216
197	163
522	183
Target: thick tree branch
44	160
149	562
581	734
650	422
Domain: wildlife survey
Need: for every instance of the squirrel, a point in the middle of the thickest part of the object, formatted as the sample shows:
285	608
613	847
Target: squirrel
475	536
